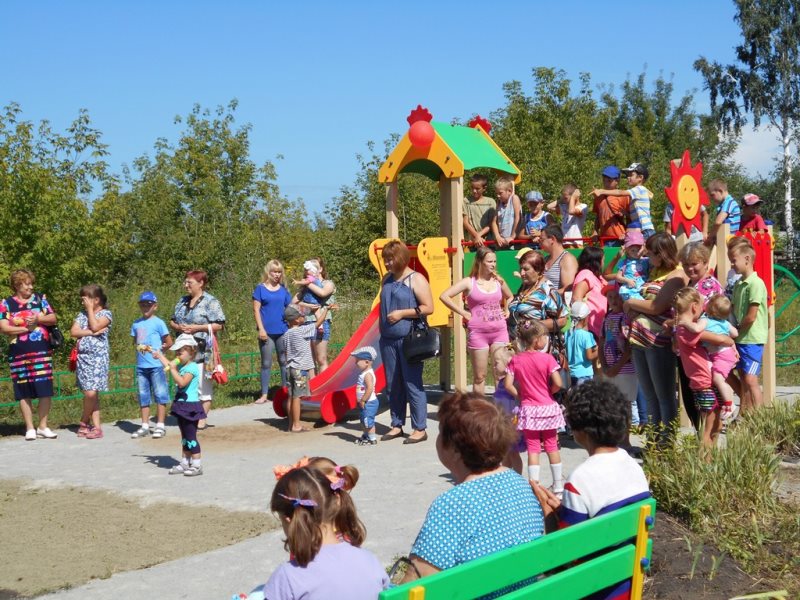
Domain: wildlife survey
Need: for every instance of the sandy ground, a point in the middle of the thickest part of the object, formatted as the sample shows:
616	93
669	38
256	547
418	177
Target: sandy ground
396	487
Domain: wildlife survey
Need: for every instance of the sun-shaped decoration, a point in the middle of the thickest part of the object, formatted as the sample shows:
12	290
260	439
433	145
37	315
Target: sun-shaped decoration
686	194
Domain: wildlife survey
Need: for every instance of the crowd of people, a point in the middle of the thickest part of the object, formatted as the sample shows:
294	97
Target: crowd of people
578	348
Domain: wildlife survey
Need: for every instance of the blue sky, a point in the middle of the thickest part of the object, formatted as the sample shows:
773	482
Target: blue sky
318	80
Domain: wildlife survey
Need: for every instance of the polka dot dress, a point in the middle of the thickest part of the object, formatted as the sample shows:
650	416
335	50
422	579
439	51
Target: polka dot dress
477	518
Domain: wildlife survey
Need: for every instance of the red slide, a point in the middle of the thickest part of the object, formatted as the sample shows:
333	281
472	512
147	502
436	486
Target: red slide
333	392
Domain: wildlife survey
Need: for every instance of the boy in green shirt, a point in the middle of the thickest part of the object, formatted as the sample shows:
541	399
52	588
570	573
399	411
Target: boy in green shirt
479	212
750	310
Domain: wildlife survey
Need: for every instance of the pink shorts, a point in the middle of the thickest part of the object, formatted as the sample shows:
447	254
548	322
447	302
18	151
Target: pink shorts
722	362
534	440
478	340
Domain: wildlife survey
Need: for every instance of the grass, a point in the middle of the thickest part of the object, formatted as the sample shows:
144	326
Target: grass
730	501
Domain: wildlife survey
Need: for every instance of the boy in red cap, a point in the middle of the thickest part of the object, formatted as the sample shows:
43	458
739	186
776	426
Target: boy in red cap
751	217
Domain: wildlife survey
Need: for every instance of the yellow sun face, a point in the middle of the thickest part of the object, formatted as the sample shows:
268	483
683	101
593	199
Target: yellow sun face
688	196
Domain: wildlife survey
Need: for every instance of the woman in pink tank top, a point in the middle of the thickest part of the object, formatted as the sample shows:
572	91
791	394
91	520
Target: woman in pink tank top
487	297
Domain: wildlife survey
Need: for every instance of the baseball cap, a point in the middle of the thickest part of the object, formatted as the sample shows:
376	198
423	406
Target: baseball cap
579	310
633	237
751	199
522	253
148	297
290	313
611	172
364	353
183	340
637	168
534	196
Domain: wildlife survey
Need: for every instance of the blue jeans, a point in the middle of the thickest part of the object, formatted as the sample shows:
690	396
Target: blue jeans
152	379
655	369
404	385
369	412
274	343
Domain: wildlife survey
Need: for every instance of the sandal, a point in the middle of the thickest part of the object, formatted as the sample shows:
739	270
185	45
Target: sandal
158	433
83	429
261	400
95	433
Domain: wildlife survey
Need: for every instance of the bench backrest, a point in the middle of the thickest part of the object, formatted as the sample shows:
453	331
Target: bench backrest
624	531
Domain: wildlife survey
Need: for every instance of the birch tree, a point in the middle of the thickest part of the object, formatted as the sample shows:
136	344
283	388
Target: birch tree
763	82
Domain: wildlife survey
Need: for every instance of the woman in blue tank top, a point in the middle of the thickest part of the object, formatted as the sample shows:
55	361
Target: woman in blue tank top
405	294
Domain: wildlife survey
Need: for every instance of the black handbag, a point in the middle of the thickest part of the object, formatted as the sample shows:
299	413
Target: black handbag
422	342
56	337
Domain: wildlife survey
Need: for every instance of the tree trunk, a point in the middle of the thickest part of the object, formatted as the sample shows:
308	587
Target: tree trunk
786	140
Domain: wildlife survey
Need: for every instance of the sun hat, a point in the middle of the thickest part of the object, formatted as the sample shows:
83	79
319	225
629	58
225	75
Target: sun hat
182	341
579	310
633	237
311	267
365	353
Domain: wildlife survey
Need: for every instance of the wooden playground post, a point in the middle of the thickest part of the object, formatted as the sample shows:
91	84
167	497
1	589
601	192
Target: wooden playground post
452	197
392	223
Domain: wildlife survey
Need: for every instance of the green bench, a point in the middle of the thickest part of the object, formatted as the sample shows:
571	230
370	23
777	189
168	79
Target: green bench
623	534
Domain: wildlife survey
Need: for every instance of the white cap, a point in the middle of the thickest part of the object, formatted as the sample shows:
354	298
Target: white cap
183	340
579	310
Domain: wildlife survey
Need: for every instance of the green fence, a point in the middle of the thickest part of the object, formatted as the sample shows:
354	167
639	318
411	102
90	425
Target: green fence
122	378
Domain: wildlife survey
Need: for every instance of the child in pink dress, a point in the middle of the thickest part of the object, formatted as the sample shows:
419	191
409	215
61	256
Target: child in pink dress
532	377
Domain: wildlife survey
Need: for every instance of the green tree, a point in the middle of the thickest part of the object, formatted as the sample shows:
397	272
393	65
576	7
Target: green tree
764	82
45	178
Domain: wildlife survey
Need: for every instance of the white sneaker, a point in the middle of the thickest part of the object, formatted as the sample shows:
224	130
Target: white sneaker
179	469
46	433
30	435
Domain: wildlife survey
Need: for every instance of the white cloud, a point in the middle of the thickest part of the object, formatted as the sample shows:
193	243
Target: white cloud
759	151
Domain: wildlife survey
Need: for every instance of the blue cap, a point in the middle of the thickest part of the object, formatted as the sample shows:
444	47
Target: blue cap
611	172
148	297
534	196
365	353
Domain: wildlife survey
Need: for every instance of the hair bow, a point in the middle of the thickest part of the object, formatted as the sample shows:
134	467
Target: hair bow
281	470
337	484
299	501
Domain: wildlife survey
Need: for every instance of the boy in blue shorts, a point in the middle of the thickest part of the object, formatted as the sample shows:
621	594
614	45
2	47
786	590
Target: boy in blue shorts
750	310
150	334
365	394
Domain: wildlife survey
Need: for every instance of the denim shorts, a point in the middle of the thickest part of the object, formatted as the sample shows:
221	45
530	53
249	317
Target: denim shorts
152	379
298	383
369	412
325	334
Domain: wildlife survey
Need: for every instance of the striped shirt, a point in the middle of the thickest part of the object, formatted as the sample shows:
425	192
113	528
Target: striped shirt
640	208
731	208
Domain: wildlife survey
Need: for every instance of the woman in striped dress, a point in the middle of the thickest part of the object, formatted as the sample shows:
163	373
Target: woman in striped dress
650	341
25	318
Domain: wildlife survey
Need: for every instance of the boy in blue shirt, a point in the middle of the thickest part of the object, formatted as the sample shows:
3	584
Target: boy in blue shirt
150	334
728	211
581	346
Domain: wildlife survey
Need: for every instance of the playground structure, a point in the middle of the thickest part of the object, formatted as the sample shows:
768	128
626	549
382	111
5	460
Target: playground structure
444	153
